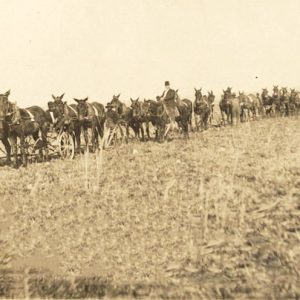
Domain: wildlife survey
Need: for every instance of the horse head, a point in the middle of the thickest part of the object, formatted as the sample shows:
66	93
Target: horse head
136	108
117	104
198	94
58	103
82	108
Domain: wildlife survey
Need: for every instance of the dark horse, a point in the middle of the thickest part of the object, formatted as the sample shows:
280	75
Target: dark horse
225	105
211	99
185	108
91	115
202	110
67	118
294	102
5	110
285	102
32	121
276	100
124	115
139	118
267	102
157	115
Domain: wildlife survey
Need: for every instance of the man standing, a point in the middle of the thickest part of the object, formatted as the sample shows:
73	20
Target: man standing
168	98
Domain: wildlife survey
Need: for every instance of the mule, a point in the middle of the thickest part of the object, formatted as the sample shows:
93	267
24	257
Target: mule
185	108
211	99
294	102
267	103
67	119
157	115
276	100
125	115
23	122
224	105
139	118
284	102
91	115
202	110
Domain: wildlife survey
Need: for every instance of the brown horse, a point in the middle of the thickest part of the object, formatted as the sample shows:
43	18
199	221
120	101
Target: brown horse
67	118
139	118
125	114
285	102
276	100
91	115
23	122
224	105
157	115
294	102
202	110
267	103
211	99
185	108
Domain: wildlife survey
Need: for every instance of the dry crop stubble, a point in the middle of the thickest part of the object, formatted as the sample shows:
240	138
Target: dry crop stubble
220	211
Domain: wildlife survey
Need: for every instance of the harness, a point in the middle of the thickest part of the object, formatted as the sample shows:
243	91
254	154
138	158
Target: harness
73	110
54	120
95	110
30	115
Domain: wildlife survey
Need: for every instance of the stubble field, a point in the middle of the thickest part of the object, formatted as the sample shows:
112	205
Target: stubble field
217	216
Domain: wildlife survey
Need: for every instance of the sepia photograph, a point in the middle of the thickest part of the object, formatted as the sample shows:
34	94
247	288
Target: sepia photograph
150	149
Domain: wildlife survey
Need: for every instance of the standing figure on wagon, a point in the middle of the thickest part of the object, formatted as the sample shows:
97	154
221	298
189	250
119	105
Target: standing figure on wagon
169	102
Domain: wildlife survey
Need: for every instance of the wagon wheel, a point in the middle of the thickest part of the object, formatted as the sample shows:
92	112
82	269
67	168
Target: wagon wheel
66	145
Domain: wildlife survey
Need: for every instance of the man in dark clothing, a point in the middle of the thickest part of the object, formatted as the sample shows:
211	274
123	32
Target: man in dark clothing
168	98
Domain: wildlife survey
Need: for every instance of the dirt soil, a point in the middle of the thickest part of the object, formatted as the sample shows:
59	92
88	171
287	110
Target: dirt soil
217	216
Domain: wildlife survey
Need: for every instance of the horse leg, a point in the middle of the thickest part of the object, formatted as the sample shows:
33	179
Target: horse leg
7	149
14	146
86	137
94	136
147	130
77	133
101	128
142	131
23	150
44	133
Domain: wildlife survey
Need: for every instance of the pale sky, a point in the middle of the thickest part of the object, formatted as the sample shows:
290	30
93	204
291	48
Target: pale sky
98	48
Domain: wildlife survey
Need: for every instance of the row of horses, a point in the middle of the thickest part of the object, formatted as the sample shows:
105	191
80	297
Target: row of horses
95	122
235	108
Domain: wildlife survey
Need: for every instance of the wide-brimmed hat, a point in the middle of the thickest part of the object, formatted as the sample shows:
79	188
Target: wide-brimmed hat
110	105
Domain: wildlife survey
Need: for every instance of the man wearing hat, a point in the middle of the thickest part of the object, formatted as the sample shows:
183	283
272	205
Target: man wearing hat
168	98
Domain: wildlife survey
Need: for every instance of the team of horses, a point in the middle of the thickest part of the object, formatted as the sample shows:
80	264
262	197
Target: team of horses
93	121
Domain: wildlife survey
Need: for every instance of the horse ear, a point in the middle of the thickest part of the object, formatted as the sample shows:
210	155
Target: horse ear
118	96
131	99
53	97
61	96
195	89
76	100
176	91
86	99
7	93
138	99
